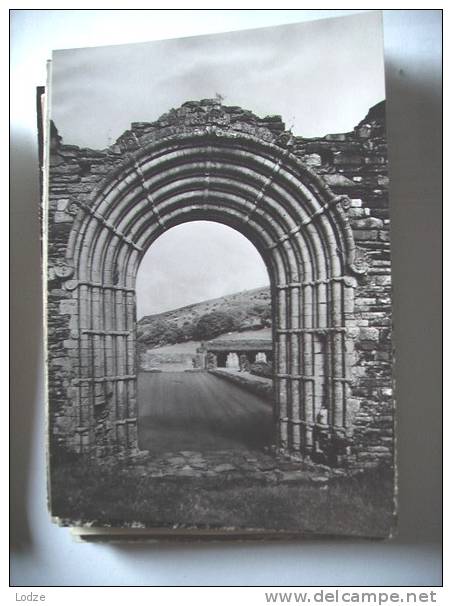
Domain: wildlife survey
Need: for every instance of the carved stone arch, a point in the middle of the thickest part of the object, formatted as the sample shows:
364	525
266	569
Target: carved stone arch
296	223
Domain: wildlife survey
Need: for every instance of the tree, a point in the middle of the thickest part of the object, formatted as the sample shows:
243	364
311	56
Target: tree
214	324
188	330
154	333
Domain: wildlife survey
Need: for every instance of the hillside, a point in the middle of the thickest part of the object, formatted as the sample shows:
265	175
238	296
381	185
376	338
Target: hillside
238	312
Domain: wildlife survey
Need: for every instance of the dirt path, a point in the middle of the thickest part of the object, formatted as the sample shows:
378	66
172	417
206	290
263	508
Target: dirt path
198	411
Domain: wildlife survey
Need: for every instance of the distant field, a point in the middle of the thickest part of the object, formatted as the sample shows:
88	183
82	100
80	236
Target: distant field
191	346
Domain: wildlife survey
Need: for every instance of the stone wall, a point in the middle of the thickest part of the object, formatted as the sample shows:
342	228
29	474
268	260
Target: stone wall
257	385
353	163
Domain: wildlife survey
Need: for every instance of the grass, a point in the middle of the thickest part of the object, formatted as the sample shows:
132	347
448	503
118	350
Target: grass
191	346
108	496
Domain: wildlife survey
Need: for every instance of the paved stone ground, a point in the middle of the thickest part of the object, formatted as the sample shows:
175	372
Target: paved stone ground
198	426
241	465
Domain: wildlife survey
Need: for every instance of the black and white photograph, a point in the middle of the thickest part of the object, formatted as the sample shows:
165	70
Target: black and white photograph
218	292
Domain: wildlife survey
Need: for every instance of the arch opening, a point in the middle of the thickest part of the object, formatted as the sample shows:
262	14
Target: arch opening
298	226
203	292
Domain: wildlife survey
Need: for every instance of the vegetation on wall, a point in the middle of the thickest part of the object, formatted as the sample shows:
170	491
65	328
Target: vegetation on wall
262	369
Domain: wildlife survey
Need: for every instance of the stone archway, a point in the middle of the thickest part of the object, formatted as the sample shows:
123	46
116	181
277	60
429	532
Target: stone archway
299	227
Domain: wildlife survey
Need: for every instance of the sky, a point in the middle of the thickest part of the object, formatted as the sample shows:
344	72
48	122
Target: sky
209	260
320	76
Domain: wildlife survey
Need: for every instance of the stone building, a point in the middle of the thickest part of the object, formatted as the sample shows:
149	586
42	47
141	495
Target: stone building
317	211
219	351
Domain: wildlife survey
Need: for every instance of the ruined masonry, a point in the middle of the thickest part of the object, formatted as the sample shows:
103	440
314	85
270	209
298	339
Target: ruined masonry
317	211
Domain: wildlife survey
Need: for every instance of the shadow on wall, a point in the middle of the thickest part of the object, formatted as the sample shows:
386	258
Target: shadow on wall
414	122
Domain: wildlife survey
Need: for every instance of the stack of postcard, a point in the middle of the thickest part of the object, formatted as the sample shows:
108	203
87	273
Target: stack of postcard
217	269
